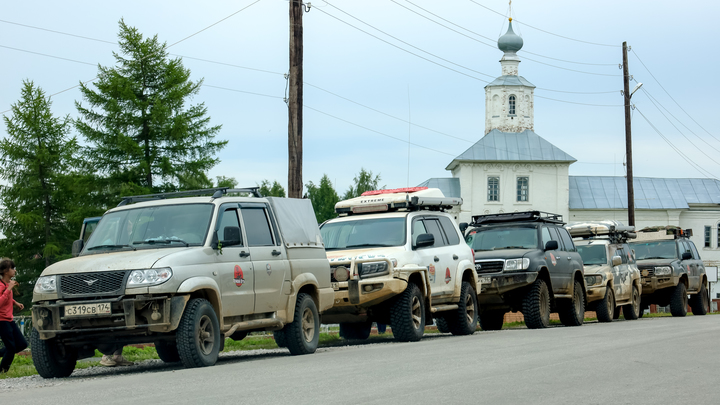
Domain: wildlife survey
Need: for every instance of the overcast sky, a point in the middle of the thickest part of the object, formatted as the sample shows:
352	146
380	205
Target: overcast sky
406	77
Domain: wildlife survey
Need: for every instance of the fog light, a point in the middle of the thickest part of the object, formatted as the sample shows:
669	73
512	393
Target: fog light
368	287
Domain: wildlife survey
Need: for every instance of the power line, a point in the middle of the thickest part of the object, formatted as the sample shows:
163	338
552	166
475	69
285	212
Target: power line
58	32
49	56
547	32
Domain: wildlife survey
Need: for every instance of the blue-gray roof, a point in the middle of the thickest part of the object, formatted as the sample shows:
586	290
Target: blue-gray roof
607	192
511	80
523	146
450	186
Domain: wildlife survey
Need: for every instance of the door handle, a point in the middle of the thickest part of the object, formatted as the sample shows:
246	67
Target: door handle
275	253
455	257
244	254
437	259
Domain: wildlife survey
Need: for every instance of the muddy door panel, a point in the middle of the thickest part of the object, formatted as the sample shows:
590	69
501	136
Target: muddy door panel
233	268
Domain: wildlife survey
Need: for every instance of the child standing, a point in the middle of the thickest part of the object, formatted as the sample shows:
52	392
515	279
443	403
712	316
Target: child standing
10	334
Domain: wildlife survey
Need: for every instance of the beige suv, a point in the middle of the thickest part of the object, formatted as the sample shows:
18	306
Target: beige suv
184	273
398	258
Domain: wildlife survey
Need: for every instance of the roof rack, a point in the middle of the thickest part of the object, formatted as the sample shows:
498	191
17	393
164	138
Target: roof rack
526	216
406	199
615	231
678	233
216	192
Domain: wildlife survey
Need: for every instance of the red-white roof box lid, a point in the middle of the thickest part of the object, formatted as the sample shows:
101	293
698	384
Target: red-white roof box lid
411	198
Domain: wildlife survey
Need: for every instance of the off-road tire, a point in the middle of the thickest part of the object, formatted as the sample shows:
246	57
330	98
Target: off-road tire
442	325
633	310
407	315
355	330
491	320
167	351
616	313
572	313
679	300
699	302
280	339
198	335
464	320
303	334
605	309
536	305
50	359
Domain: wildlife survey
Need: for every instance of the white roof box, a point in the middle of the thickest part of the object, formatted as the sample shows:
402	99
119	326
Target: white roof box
600	228
410	198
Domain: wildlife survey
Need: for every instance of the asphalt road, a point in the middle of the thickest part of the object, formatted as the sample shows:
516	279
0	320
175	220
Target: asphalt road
649	361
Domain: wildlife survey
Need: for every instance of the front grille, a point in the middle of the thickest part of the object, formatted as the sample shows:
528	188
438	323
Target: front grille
90	284
494	266
647	271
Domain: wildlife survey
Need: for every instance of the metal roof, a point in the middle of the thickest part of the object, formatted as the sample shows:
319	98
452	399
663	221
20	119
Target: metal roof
607	192
512	146
450	186
511	80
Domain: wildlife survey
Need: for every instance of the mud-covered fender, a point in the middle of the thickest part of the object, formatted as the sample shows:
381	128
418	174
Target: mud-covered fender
323	296
208	285
465	266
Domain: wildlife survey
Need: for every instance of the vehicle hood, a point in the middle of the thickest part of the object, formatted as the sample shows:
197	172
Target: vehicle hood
369	253
655	262
502	254
125	260
596	268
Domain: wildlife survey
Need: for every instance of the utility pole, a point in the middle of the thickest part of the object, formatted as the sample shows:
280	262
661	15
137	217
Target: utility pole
628	138
294	101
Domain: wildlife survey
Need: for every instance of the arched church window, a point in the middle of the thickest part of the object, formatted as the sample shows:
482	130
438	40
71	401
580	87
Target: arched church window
511	106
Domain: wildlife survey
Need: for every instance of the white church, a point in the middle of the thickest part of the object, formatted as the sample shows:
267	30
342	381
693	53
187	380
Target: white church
512	169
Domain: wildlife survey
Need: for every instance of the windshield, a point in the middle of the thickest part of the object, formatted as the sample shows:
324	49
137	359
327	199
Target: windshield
503	238
592	254
151	227
655	250
362	233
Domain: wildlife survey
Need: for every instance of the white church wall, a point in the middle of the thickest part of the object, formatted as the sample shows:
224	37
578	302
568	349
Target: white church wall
496	108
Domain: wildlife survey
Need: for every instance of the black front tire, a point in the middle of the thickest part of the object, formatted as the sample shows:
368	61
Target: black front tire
51	359
679	300
492	320
407	315
632	310
167	351
536	306
605	309
463	321
355	330
572	313
442	325
198	335
700	302
303	334
280	339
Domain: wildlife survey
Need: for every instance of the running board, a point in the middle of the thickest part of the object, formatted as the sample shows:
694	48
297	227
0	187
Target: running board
443	308
255	324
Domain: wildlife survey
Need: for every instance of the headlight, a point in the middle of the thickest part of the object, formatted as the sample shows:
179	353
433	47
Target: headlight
663	271
45	285
145	278
593	279
517	264
371	269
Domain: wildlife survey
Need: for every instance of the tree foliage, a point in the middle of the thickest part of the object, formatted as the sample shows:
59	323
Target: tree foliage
41	207
274	190
364	181
323	198
144	136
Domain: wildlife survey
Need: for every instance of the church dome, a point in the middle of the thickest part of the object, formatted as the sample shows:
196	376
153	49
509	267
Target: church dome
510	42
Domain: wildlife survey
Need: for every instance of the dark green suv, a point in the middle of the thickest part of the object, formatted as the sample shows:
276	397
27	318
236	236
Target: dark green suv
527	262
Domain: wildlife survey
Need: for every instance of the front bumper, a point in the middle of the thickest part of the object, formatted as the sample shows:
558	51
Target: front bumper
496	284
129	315
596	292
654	283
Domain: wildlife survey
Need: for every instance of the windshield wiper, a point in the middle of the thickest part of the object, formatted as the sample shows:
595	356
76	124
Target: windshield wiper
159	241
656	257
510	247
368	245
110	246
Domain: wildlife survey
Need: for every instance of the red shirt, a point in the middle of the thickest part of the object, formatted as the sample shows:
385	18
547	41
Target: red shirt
6	303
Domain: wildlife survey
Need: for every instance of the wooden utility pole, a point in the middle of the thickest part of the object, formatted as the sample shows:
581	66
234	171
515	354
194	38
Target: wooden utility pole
628	138
295	97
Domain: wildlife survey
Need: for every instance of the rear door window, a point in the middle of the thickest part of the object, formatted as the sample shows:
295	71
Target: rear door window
433	226
567	240
450	231
257	227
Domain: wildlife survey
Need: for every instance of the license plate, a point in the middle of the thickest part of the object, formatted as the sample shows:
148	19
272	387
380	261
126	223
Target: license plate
88	309
485	280
336	286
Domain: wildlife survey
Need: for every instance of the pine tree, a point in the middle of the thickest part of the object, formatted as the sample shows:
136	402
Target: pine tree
364	181
37	161
323	198
144	137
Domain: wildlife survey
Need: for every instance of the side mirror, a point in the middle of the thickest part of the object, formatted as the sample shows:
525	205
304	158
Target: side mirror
616	260
424	240
463	227
552	245
687	256
231	236
77	247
